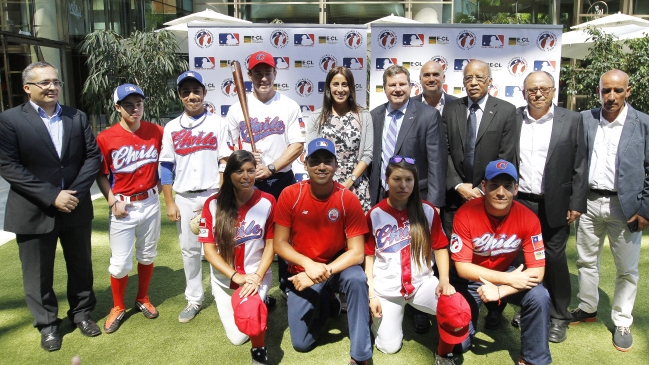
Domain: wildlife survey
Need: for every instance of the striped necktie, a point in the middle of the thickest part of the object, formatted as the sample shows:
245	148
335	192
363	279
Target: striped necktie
389	142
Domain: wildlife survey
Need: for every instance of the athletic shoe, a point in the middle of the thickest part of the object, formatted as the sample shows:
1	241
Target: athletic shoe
335	306
270	301
190	311
622	339
259	356
493	319
522	362
579	316
146	308
114	320
444	360
516	321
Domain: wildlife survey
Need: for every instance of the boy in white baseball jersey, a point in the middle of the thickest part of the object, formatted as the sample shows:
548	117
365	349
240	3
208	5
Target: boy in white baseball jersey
278	132
192	146
128	179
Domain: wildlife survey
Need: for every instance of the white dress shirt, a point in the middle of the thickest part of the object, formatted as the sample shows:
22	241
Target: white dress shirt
388	120
54	125
440	104
603	166
482	103
534	145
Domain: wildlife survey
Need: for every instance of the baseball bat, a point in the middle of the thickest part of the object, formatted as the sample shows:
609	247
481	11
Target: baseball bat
243	100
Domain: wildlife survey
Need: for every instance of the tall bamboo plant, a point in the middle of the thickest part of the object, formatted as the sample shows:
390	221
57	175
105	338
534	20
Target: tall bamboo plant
147	59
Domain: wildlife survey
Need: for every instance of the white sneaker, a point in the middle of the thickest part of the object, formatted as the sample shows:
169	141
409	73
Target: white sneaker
190	311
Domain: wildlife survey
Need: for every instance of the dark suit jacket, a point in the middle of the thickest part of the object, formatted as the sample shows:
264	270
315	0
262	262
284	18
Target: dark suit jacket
565	174
496	138
29	162
447	98
421	137
632	158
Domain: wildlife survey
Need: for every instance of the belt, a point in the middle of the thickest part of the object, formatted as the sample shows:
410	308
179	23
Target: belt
530	197
137	197
604	192
196	191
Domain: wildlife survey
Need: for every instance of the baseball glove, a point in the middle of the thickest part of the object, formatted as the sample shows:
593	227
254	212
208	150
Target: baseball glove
195	222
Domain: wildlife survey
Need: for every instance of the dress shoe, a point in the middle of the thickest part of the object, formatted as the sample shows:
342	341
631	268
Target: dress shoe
89	328
558	333
51	341
493	319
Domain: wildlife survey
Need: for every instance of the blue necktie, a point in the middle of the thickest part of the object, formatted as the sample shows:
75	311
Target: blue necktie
389	143
469	144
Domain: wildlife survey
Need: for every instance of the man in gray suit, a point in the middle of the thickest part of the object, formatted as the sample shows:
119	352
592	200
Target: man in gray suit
618	203
407	127
50	158
553	183
432	77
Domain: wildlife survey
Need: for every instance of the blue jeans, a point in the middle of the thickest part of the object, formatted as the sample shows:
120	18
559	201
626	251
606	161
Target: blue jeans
535	318
308	311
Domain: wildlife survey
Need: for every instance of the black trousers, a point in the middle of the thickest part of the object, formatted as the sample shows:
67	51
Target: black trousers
37	253
557	277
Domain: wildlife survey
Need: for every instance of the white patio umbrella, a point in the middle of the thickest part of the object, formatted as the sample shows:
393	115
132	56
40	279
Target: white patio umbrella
179	26
390	19
575	44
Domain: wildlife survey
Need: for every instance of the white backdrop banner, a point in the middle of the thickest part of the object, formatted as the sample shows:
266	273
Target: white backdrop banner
512	51
303	54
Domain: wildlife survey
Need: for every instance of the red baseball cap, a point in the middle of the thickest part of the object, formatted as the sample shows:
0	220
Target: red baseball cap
259	58
453	318
250	313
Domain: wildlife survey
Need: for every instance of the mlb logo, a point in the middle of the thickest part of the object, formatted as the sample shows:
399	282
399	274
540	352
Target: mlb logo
384	63
308	108
247	85
228	39
460	63
321	144
512	91
204	63
353	63
549	66
413	40
224	111
282	63
493	40
303	39
321	86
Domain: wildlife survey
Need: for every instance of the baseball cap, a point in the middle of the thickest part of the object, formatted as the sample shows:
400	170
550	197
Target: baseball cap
250	313
259	58
190	75
320	144
453	318
495	168
124	90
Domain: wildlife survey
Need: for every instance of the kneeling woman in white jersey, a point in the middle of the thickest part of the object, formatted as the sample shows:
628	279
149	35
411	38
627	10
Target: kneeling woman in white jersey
405	231
237	234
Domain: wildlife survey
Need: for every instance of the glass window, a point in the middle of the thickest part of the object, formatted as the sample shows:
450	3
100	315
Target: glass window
356	12
286	11
45	19
641	7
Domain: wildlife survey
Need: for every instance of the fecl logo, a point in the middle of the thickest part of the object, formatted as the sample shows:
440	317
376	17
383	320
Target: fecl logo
387	39
304	87
546	41
278	38
204	38
353	39
466	40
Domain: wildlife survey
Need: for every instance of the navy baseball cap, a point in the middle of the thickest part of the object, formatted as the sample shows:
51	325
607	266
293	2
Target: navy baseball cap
190	75
320	144
498	167
259	58
124	90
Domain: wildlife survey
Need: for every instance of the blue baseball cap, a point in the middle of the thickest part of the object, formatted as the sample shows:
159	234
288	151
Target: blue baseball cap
495	168
320	144
190	75
124	90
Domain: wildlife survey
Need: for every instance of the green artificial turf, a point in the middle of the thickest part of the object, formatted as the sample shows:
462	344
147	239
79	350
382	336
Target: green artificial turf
202	341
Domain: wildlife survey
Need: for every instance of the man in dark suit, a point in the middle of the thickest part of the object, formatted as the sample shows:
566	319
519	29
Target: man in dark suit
553	183
480	128
618	203
407	127
432	77
50	158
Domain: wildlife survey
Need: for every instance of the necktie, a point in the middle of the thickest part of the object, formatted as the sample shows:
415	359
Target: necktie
389	142
469	144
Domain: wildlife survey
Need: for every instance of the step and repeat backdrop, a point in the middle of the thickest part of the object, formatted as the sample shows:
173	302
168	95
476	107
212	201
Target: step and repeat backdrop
305	53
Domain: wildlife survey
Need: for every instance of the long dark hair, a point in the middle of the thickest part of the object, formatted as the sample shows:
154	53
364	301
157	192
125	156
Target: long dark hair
420	244
227	212
328	102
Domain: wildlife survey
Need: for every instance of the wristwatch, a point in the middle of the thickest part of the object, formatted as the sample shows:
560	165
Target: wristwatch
272	169
353	178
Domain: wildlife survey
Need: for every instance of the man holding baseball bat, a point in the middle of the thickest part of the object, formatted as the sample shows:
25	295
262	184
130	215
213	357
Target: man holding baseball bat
278	133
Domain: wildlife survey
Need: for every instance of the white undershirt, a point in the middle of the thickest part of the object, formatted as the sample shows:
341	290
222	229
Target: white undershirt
534	145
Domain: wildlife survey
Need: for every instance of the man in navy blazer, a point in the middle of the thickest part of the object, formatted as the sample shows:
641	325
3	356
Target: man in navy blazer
50	158
419	134
618	203
431	78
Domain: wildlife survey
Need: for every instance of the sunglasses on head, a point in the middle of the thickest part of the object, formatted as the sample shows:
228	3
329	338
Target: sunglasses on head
398	159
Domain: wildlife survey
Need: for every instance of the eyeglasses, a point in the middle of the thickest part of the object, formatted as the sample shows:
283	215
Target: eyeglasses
46	84
544	90
398	159
480	79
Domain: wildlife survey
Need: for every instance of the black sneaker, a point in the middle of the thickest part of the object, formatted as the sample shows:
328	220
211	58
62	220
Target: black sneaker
516	321
493	319
259	356
622	339
579	316
270	301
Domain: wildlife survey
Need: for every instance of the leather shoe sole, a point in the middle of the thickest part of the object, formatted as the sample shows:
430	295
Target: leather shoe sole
89	328
558	333
51	341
